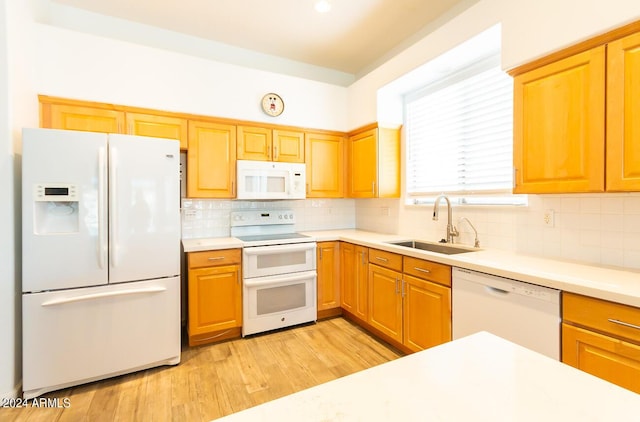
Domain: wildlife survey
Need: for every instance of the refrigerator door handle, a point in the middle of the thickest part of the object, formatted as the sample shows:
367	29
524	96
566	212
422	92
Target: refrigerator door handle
94	296
102	223
113	206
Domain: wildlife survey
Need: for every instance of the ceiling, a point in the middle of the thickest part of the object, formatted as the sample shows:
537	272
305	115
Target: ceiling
353	37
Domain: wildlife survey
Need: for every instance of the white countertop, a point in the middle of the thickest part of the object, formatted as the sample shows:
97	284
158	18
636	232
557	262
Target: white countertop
617	285
478	378
210	244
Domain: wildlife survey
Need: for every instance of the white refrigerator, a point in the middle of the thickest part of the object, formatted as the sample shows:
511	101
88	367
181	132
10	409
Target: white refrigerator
100	256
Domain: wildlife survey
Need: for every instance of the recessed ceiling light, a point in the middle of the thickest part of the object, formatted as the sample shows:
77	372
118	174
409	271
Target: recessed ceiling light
323	6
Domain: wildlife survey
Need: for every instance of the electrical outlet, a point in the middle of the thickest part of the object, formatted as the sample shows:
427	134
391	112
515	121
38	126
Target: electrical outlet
548	218
190	214
385	211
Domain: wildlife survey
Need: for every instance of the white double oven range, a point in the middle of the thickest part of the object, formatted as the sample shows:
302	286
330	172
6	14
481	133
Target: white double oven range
278	270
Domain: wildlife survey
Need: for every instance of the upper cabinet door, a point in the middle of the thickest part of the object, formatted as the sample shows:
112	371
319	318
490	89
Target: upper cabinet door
90	119
623	124
559	132
363	165
254	143
158	126
325	165
288	146
211	160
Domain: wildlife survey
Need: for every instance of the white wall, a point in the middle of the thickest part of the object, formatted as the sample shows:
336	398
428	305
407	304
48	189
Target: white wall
7	235
16	111
600	229
530	29
76	65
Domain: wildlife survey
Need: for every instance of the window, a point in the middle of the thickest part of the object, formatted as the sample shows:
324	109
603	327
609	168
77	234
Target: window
459	136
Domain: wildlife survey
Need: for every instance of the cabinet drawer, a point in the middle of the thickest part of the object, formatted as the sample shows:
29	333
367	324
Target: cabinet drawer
601	315
427	270
385	259
212	258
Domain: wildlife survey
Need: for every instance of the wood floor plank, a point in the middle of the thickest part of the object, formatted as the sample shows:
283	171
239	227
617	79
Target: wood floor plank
218	379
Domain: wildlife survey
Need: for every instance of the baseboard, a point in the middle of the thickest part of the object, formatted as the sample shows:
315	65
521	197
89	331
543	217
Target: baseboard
14	394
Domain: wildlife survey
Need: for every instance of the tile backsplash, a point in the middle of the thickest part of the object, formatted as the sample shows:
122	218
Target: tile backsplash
211	217
602	229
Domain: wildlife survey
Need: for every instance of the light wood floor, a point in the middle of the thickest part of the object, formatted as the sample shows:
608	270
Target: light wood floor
216	380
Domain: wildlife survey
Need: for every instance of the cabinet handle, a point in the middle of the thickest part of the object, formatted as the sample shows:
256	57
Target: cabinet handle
233	189
625	324
216	258
275	153
320	253
379	258
422	270
403	283
307	188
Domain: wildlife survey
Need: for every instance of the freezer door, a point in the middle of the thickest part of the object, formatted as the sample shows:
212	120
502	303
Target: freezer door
64	231
144	208
76	336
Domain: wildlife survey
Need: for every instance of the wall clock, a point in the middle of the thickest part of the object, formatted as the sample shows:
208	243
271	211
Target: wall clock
272	104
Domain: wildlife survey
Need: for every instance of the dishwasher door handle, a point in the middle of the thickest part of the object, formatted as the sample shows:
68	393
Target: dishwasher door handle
496	291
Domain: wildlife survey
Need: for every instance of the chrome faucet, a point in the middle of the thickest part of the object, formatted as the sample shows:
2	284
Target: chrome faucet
476	242
451	229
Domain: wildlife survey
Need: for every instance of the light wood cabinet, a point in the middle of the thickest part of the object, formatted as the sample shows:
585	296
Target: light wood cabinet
409	300
373	163
574	118
266	144
385	301
427	303
328	268
354	274
158	126
288	146
97	117
602	338
254	143
79	117
623	125
214	295
559	125
211	160
325	165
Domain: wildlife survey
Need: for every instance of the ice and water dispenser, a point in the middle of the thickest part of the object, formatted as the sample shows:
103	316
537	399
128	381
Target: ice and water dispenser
55	208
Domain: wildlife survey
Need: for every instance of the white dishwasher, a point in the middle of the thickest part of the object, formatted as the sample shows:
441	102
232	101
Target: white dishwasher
524	313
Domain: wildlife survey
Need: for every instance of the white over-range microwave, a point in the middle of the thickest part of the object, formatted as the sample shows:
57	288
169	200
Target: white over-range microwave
271	180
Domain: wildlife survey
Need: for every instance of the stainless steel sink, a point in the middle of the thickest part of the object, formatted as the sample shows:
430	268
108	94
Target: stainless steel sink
432	247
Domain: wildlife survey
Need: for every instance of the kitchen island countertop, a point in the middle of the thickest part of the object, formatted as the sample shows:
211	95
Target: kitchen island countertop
481	378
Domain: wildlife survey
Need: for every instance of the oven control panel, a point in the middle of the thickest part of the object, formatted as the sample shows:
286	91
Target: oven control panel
262	217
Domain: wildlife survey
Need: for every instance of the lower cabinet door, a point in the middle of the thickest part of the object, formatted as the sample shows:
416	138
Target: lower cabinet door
606	357
385	300
427	313
215	299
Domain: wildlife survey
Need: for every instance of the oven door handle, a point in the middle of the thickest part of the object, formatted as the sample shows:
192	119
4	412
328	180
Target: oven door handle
275	249
278	279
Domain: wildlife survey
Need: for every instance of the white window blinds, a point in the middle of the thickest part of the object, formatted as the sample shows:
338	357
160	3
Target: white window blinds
459	133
